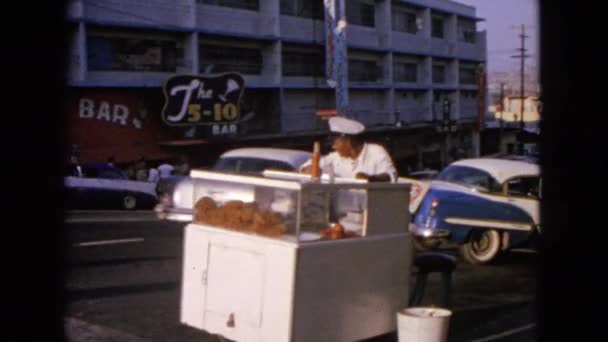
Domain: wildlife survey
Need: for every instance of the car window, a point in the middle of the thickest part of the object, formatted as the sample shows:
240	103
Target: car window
103	172
111	174
90	172
249	165
524	187
470	176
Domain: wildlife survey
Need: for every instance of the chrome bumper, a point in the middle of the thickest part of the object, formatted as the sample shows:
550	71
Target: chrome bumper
429	233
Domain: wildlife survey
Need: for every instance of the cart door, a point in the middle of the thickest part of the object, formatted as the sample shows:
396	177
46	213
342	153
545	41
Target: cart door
194	277
235	291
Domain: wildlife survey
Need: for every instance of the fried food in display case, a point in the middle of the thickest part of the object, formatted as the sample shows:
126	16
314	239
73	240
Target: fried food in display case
239	215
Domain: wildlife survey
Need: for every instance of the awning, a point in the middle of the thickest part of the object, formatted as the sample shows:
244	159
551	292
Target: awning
122	153
184	142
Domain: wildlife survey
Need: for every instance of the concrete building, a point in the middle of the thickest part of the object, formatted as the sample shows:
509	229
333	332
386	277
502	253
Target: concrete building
407	59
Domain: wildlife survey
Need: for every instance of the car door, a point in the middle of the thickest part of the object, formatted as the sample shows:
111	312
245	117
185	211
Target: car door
524	192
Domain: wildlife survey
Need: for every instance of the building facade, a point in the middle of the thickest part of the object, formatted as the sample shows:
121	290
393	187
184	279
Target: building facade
411	64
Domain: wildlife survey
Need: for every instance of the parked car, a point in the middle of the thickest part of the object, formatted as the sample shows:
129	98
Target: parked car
101	186
485	205
176	193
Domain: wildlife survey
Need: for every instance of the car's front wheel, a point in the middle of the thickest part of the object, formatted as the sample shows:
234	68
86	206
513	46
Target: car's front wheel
129	202
482	246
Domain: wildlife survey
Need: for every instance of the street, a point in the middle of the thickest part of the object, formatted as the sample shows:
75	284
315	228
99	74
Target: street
124	271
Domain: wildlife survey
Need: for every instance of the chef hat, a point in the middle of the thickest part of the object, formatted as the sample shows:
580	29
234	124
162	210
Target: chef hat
342	125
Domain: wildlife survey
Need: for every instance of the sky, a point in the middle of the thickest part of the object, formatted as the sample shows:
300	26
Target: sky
502	37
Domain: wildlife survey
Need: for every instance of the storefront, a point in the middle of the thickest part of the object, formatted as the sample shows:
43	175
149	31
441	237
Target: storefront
115	122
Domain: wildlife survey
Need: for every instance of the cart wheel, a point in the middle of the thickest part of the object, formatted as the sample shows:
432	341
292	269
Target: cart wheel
425	245
220	338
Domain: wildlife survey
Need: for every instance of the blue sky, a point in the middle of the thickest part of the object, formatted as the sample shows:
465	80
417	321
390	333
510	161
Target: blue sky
503	39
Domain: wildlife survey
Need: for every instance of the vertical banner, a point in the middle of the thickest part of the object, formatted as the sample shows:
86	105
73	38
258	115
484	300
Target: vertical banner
330	20
336	59
480	76
341	61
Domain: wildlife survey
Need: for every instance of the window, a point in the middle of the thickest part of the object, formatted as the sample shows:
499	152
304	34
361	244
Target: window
244	4
132	54
466	31
524	187
231	59
470	176
363	71
469	94
303	63
360	13
405	72
467	76
303	8
405	21
439	74
437	27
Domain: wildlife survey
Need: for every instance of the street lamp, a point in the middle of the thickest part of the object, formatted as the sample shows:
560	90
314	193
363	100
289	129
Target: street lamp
445	126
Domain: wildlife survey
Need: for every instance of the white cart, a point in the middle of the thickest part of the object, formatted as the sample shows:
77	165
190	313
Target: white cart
298	287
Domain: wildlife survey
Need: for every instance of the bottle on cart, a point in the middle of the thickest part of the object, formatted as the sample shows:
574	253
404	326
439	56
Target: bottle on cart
315	169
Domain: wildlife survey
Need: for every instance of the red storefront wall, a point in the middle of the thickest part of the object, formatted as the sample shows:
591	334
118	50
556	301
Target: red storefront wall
122	123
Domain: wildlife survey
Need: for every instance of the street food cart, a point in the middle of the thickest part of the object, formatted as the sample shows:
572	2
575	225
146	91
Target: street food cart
282	275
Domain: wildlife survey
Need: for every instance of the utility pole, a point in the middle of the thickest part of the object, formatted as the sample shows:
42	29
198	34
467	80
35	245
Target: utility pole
522	56
502	110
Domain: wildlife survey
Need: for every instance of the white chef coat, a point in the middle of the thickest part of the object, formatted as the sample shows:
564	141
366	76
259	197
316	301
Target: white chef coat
373	160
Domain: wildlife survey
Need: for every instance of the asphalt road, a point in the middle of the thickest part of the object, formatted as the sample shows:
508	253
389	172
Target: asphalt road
124	271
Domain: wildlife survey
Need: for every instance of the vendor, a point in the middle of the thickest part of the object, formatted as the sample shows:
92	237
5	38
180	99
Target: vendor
354	158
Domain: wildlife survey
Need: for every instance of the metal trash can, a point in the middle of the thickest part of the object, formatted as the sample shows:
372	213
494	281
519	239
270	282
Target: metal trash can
423	324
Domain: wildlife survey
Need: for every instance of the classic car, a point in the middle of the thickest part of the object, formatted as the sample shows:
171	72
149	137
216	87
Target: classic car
101	186
176	193
485	205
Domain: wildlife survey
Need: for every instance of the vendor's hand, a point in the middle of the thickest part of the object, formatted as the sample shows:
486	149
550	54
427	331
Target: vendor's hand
306	169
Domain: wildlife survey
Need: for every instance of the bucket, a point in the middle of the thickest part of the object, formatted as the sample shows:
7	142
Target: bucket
423	324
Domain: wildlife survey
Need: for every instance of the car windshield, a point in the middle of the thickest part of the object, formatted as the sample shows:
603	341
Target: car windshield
249	165
469	176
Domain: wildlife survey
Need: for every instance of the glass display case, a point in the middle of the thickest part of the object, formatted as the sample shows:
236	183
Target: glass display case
291	206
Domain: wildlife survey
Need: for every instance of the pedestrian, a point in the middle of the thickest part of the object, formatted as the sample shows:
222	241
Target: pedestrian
141	170
74	168
131	171
165	169
111	161
153	175
183	168
353	157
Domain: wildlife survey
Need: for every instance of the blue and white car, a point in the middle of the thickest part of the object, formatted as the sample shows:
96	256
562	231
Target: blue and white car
485	205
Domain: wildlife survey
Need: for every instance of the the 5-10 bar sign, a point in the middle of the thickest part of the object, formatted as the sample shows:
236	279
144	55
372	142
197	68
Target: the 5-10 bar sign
200	100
